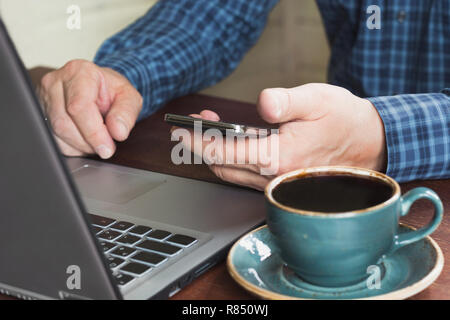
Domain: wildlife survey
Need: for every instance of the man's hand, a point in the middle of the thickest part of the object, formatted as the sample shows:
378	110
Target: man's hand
320	125
89	107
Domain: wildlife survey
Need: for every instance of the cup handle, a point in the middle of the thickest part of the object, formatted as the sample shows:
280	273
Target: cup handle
406	201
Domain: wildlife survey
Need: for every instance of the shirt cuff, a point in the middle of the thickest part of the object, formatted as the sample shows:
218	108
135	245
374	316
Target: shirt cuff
415	134
133	68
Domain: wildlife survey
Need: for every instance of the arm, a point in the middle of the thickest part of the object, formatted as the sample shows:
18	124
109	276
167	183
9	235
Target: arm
176	48
322	125
180	47
417	130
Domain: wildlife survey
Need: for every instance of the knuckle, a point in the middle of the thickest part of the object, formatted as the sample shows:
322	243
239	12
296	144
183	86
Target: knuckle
71	66
322	94
219	172
60	125
77	65
74	108
290	100
47	81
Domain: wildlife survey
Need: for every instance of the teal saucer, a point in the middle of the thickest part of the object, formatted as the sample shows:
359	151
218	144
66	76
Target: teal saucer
254	263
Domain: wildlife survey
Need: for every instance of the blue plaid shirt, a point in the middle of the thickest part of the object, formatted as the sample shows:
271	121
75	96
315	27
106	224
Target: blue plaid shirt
179	47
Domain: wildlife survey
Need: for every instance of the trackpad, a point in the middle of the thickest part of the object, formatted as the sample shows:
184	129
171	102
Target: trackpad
113	186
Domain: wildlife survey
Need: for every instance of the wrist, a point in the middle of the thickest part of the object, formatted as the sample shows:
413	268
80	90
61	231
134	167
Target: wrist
375	138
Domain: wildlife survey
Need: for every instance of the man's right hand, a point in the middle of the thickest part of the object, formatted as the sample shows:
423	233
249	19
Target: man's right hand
89	107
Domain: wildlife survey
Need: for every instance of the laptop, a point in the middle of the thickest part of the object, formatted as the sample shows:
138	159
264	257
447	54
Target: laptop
74	228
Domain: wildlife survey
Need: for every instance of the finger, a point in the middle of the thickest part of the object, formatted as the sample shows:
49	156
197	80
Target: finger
193	115
240	150
280	105
62	125
199	143
67	149
81	93
103	98
257	155
209	115
206	115
240	177
237	151
124	112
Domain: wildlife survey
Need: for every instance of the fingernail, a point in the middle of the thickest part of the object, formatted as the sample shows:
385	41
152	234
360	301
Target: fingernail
276	96
123	128
103	151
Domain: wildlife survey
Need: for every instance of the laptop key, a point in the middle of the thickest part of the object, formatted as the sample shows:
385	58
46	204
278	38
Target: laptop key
128	239
157	246
101	221
114	262
140	230
96	229
136	268
123	251
109	234
182	240
121	225
159	234
149	257
123	279
106	245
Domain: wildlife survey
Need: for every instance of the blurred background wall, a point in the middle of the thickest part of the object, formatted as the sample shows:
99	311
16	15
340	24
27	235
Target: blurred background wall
292	50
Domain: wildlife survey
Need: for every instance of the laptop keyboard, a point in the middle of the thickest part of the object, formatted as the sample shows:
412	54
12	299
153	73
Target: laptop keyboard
134	250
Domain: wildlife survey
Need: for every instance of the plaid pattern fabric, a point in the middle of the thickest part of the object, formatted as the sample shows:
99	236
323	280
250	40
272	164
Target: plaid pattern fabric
417	128
180	47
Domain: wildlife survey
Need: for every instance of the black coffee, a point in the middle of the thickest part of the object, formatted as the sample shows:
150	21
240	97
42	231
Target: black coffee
332	194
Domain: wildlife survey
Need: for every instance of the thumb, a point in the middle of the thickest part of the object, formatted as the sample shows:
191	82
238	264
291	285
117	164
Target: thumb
123	113
280	105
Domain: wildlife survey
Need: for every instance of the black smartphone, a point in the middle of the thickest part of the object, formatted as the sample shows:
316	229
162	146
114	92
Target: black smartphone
238	129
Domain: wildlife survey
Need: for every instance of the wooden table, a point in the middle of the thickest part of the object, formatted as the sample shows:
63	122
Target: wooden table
149	148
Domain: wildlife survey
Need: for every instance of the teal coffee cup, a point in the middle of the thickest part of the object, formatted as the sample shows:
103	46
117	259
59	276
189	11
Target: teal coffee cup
331	224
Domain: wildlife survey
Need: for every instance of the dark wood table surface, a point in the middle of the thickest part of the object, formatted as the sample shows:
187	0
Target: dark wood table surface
149	147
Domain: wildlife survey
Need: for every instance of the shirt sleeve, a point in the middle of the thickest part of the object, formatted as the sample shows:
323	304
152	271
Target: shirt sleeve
417	128
179	47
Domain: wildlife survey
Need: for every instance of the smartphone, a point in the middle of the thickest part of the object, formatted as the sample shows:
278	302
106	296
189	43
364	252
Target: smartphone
238	129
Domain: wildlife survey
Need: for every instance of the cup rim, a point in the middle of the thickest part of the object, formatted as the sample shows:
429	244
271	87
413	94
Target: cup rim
346	170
